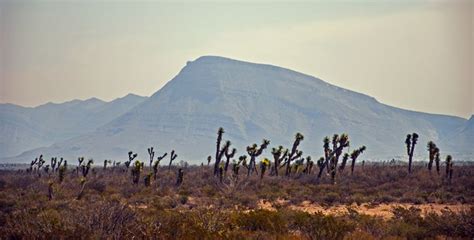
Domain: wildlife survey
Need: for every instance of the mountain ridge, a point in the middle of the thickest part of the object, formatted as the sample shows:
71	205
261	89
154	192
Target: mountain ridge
255	101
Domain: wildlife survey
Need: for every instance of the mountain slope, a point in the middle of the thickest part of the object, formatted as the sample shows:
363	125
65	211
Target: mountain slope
28	128
254	101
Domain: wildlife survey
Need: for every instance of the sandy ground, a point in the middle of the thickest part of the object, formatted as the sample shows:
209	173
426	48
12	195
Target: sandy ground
381	210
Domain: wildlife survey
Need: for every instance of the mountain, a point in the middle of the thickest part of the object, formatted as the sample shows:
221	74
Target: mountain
254	101
24	128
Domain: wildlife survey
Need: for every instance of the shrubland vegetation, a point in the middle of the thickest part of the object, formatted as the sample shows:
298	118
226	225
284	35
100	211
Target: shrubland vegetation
218	201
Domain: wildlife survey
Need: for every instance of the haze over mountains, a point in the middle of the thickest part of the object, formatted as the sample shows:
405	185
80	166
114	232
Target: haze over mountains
251	101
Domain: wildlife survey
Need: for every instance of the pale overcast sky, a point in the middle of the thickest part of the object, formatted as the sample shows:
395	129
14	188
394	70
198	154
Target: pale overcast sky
411	54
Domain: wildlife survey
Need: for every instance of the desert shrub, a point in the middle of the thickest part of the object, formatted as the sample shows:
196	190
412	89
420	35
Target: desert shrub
331	197
319	226
98	186
261	220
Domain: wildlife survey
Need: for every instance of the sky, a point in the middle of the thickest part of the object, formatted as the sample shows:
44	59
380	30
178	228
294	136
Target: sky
414	55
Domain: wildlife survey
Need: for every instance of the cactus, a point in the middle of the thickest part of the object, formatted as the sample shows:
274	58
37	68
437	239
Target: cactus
209	158
294	153
152	155
228	156
136	170
264	164
255	151
354	155
432	153
410	143
449	168
279	155
179	178
173	156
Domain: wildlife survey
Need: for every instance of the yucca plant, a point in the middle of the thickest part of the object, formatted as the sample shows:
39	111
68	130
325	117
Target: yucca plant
264	164
279	155
152	155
354	155
209	158
410	143
254	151
432	153
173	156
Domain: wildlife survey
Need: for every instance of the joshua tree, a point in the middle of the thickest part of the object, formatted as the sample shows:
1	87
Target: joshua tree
50	190
321	165
264	164
136	170
294	153
221	172
106	162
131	156
46	169
59	164
255	151
219	152
54	161
278	156
147	180
179	179
152	155
432	154
173	156
209	158
87	167
345	157
354	155
437	160
410	142
228	156
83	185
331	156
62	172
33	163
449	168
309	165
236	165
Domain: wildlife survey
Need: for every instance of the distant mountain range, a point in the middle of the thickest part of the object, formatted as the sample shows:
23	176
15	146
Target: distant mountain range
250	101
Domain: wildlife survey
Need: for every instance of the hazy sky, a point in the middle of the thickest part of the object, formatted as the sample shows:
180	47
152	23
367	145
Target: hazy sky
411	54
